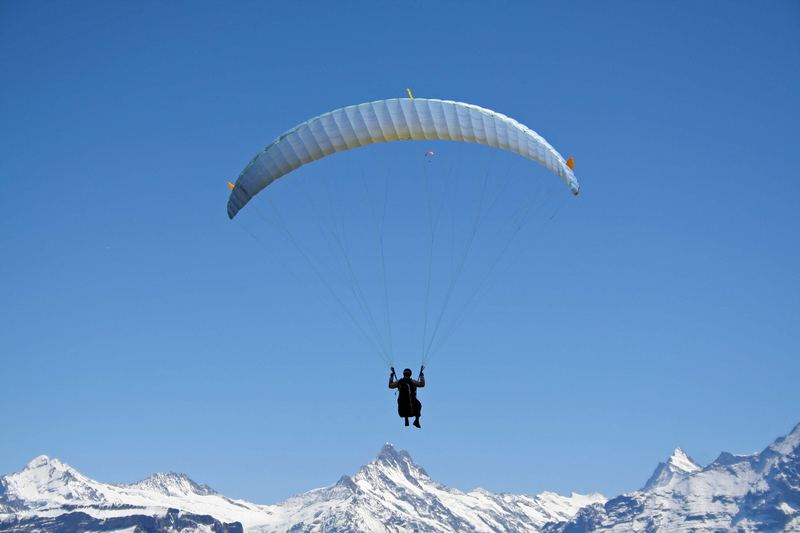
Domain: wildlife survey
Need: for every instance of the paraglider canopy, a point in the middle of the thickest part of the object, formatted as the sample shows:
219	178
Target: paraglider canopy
387	121
442	212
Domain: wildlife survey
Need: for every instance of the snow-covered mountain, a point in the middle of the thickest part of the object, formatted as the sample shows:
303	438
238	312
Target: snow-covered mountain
758	492
678	466
392	493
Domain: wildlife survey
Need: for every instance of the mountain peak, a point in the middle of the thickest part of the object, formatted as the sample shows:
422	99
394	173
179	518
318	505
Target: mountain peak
787	444
44	460
387	449
45	468
680	460
390	454
728	458
37	462
678	466
46	479
172	484
390	461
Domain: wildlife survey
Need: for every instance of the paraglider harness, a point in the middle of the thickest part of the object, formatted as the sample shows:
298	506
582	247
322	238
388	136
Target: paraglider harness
408	387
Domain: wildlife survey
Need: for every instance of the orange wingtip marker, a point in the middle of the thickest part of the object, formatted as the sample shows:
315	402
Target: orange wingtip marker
230	185
571	163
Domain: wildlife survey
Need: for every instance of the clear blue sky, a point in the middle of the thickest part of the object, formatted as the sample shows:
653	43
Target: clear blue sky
143	331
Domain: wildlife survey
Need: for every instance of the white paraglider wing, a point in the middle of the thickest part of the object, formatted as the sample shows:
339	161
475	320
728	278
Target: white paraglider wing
396	119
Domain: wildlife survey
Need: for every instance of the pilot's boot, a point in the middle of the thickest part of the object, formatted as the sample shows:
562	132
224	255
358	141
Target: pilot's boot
416	422
406	420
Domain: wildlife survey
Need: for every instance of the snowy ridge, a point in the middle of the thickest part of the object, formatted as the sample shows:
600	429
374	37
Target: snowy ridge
46	481
759	492
391	493
172	484
394	489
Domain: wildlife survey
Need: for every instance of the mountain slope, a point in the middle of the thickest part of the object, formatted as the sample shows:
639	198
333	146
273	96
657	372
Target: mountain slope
47	486
759	492
392	493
